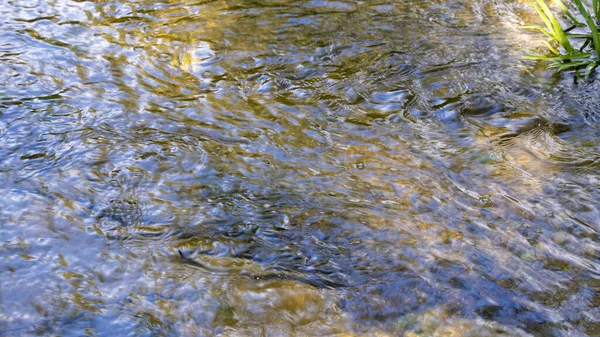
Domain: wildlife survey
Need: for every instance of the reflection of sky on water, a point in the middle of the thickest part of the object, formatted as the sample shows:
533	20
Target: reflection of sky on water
275	167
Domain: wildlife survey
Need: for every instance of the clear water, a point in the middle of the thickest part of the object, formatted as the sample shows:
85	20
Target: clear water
292	168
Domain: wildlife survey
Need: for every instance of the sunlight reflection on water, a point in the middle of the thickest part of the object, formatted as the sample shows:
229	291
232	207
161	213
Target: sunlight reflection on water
282	168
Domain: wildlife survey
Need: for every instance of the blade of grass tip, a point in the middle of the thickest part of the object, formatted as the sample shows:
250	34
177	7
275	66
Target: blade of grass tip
569	57
590	68
535	58
552	49
534	27
591	24
565	9
559	33
587	43
540	29
528	71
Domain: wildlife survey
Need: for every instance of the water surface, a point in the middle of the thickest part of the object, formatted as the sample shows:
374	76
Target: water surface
281	168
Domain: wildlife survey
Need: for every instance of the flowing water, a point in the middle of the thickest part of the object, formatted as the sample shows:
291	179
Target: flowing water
292	168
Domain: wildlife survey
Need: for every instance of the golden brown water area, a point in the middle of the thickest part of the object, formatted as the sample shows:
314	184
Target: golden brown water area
292	168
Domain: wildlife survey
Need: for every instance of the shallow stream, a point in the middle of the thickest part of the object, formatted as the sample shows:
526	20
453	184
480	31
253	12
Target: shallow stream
292	168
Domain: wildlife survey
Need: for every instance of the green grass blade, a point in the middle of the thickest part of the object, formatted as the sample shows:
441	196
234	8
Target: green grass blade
540	29
580	36
571	59
559	58
573	65
558	32
591	25
552	49
565	9
590	68
542	15
570	56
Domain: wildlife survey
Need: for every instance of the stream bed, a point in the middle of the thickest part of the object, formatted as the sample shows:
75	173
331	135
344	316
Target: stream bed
293	168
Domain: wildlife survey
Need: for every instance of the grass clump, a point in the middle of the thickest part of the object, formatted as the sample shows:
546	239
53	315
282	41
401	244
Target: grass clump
584	35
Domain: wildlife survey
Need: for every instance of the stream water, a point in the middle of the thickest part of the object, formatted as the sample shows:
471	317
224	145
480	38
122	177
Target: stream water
293	168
